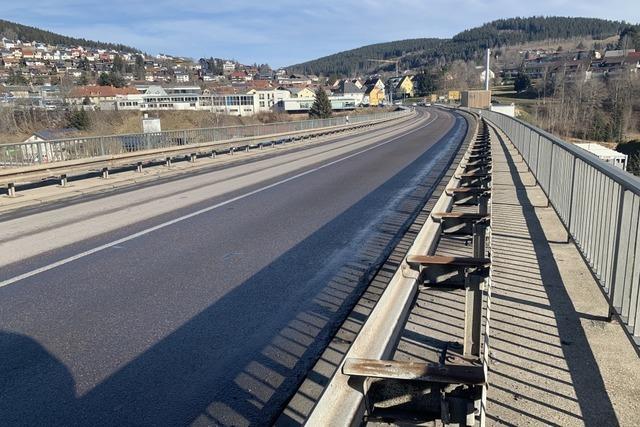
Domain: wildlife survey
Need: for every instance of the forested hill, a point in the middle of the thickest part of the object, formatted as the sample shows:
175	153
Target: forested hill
466	45
25	33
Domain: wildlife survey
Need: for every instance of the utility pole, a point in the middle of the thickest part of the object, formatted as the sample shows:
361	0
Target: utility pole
487	76
390	61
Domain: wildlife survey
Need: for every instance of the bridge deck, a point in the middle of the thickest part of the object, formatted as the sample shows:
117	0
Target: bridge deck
554	357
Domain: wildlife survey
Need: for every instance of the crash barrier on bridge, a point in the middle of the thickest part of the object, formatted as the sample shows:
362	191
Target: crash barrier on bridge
598	204
30	162
46	152
368	386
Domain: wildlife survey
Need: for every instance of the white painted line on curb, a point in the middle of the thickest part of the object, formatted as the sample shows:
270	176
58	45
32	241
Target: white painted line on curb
199	212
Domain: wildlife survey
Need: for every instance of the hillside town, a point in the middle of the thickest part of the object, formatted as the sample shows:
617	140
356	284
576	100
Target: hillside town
41	76
36	75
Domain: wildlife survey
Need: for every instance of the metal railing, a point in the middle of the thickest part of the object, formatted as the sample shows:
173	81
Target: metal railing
44	152
598	204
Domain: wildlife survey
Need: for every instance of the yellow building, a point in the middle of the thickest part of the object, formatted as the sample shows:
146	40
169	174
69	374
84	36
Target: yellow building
304	92
402	87
454	95
375	95
406	86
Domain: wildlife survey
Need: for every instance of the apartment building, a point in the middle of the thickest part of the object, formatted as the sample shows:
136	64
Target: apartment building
156	98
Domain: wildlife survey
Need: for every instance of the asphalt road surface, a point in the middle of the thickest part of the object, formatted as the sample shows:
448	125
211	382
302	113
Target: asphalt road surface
202	299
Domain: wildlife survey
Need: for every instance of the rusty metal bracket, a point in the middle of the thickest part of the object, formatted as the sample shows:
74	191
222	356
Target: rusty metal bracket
467	196
446	271
474	178
458	223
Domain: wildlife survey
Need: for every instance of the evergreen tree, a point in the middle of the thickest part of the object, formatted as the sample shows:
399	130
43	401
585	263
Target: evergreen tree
139	68
522	83
14	31
104	80
630	38
83	80
424	83
118	65
111	79
468	45
321	108
16	78
79	119
633	164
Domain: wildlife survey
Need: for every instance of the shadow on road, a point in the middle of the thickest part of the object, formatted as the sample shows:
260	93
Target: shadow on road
176	381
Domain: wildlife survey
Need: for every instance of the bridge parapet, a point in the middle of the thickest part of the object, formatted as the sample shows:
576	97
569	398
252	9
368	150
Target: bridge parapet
86	148
598	204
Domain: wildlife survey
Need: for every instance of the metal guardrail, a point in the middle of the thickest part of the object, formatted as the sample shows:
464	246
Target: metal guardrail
46	152
598	204
342	404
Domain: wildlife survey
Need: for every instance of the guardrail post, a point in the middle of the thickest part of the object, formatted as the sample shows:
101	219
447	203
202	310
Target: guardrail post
192	157
63	180
213	154
573	184
105	173
483	204
168	162
616	252
550	175
139	167
40	159
11	189
473	295
472	315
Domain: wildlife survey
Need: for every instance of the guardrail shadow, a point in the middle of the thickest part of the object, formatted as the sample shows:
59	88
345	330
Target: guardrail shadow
177	380
437	317
543	369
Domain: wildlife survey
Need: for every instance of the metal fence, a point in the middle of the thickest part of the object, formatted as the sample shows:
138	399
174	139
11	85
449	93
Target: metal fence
33	153
599	205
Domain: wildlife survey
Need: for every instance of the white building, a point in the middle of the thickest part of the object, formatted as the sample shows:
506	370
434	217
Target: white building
610	156
348	89
228	67
182	77
509	110
294	79
299	105
266	100
187	98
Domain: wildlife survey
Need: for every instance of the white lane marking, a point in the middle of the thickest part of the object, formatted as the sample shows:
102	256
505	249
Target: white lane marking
200	212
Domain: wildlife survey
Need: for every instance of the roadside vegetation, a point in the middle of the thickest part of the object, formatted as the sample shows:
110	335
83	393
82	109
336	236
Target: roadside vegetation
16	125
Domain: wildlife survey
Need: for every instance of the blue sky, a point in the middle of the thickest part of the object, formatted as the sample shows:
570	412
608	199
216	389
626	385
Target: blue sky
283	32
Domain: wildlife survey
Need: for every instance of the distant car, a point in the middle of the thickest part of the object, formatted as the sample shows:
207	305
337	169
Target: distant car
414	104
427	104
